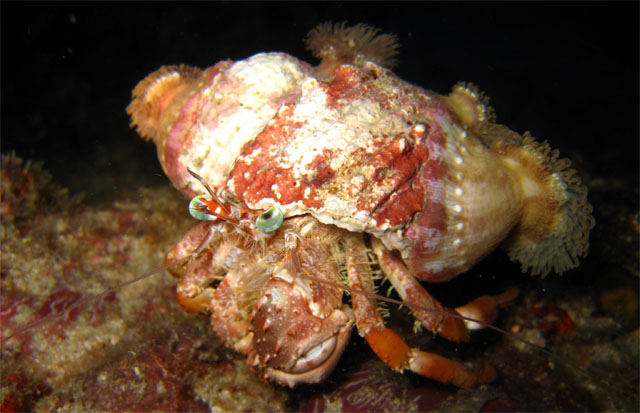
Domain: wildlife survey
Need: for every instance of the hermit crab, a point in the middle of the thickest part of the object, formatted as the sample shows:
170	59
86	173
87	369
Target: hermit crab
297	171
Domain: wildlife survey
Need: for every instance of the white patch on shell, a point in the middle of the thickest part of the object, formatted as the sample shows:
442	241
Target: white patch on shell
245	98
274	189
340	131
435	266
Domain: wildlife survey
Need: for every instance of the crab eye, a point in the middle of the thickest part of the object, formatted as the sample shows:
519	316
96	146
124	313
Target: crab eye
198	208
270	220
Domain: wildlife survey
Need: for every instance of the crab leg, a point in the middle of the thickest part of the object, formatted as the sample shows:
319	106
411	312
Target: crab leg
484	308
199	272
219	257
388	345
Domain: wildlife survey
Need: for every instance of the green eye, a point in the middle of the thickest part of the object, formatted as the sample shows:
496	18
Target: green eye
270	220
197	205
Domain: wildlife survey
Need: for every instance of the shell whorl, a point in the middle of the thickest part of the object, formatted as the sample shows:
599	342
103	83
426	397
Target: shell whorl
498	186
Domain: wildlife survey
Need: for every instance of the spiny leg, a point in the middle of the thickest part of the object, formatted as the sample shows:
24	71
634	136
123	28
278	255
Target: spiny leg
484	308
388	345
197	274
220	255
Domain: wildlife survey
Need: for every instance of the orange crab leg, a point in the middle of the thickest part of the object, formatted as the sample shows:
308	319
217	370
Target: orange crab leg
388	345
393	350
484	309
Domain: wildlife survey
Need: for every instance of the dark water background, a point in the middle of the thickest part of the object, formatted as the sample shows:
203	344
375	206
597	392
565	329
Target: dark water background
566	72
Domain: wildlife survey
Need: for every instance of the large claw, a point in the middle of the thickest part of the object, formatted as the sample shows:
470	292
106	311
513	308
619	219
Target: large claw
290	343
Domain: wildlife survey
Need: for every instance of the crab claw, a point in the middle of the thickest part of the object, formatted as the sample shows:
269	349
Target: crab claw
292	344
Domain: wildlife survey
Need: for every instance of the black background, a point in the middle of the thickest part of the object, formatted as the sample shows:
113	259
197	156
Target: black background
567	72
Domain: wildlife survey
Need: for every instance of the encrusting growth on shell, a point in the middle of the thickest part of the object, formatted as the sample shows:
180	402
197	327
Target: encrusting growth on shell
470	104
554	230
153	96
337	44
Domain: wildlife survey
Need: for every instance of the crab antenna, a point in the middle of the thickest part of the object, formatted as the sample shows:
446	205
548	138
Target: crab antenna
227	218
210	190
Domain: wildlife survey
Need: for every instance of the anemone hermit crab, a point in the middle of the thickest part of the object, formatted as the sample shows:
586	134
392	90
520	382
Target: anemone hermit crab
296	171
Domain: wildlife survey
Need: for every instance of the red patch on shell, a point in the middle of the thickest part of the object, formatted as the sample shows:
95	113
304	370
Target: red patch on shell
321	164
361	83
257	174
407	197
430	223
347	84
388	183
